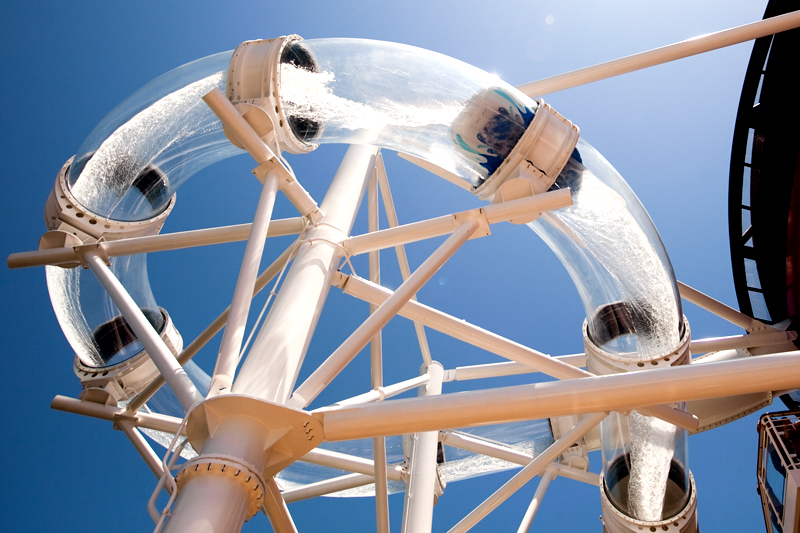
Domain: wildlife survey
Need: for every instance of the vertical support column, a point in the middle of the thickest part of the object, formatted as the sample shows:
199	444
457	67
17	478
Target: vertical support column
214	501
376	360
418	508
231	344
375	350
271	368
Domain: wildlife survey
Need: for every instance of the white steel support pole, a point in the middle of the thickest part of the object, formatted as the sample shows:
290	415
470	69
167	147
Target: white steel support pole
617	392
231	344
327	486
150	458
689	47
157	243
341	461
270	369
383	393
345	353
402	258
501	346
474	444
165	423
259	150
376	363
276	509
162	357
526	474
536	502
211	330
418	507
375	349
720	309
214	499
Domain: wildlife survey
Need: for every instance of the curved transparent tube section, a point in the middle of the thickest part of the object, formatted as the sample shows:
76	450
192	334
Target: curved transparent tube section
402	98
617	261
134	160
91	321
615	258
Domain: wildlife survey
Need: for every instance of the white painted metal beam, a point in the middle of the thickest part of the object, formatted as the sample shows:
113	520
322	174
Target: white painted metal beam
273	362
526	474
471	443
262	153
420	493
619	392
665	54
436	227
207	334
162	357
155	421
383	393
492	342
345	353
536	502
231	344
720	309
158	243
351	463
276	510
327	486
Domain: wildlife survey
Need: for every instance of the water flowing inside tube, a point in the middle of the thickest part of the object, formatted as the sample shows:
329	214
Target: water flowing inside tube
652	446
64	287
417	128
108	176
308	94
604	227
607	230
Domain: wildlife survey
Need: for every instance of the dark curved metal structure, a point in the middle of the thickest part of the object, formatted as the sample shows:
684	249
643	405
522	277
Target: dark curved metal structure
764	193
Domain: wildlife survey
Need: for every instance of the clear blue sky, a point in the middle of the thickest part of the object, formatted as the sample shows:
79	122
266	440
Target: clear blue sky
667	130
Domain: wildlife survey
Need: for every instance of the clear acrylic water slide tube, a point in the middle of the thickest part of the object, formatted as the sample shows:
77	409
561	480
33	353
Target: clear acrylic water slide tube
616	259
127	169
403	98
645	466
89	318
134	160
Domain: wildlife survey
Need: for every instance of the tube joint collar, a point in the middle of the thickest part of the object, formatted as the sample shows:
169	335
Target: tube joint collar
615	521
254	88
601	362
63	212
540	154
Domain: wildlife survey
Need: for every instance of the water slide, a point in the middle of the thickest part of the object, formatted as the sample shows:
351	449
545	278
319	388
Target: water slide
465	125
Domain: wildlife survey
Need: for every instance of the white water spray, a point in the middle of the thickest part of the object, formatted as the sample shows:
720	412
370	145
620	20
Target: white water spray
112	169
420	127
